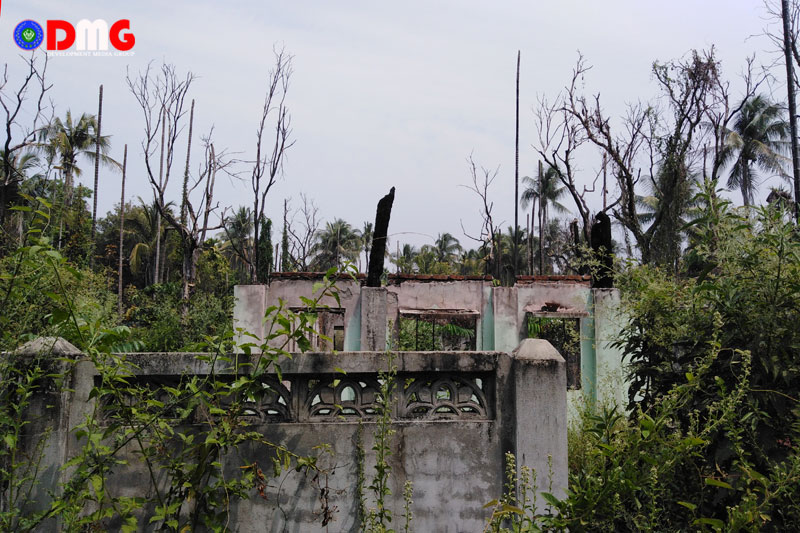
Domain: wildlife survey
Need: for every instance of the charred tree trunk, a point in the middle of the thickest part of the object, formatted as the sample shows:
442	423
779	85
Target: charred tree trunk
541	219
792	106
378	251
516	178
121	227
96	165
601	246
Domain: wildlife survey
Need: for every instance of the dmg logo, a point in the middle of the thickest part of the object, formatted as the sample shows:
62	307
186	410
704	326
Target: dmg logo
86	35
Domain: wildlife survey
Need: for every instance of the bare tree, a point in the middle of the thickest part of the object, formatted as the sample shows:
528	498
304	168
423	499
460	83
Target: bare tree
559	138
268	163
302	228
652	146
161	95
482	179
199	205
20	136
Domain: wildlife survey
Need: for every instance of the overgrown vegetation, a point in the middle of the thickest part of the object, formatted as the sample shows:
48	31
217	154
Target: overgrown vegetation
191	434
709	438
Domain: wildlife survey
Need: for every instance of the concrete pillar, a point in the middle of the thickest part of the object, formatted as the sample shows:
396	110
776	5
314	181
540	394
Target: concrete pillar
250	303
506	325
373	319
612	385
540	409
486	322
49	420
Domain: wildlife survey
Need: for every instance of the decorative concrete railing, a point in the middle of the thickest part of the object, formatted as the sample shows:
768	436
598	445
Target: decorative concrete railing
346	398
455	415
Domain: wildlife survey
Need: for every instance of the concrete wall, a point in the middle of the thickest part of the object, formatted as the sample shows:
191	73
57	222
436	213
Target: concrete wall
450	445
501	324
253	300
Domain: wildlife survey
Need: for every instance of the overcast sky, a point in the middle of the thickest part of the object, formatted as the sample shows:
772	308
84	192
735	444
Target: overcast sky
383	93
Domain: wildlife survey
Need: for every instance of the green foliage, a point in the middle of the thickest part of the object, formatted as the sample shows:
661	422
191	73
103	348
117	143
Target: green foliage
743	304
189	433
265	251
23	379
709	443
286	258
31	289
378	518
155	316
417	334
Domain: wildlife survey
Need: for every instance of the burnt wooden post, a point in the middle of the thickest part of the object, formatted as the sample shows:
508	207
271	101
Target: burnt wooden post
378	251
601	246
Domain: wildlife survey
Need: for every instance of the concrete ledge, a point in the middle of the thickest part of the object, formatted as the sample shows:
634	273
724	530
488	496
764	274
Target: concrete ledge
172	363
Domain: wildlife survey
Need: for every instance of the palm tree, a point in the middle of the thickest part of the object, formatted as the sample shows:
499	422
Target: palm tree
405	261
544	190
20	164
66	141
781	199
426	260
337	243
141	226
758	138
506	250
366	240
447	248
472	262
238	242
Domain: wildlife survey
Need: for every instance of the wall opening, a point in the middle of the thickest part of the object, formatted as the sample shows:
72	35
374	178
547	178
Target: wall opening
330	326
565	336
437	330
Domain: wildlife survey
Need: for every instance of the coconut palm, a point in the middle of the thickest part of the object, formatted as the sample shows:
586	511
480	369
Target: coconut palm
20	166
66	141
426	260
405	261
366	239
335	245
447	248
757	140
141	226
20	179
472	262
544	190
238	240
506	249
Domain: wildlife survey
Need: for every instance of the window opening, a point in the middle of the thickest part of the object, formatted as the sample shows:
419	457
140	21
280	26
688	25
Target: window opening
565	336
437	330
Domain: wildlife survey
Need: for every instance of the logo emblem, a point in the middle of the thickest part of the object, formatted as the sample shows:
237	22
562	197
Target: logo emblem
28	35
